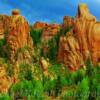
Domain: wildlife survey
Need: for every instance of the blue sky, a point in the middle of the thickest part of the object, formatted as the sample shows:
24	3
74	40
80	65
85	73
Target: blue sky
47	10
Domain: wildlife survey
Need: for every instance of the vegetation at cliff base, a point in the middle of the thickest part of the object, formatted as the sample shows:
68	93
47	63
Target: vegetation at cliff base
54	83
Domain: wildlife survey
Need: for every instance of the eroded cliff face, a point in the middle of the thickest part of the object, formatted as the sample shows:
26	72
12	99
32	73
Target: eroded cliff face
87	31
4	24
5	81
86	38
18	35
69	52
50	31
19	47
39	25
67	22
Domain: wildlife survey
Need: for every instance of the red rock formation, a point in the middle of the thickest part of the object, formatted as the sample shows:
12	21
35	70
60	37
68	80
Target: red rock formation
87	31
84	12
84	43
95	42
4	24
18	34
50	31
5	81
67	22
39	25
68	52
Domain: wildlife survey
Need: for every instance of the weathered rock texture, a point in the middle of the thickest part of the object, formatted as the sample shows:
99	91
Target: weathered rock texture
87	31
69	52
39	25
5	81
18	34
67	22
84	43
50	31
4	24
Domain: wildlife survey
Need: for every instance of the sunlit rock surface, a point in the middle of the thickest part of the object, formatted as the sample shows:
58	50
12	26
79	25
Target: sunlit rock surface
50	31
4	24
67	22
69	53
85	38
39	25
5	81
87	31
18	34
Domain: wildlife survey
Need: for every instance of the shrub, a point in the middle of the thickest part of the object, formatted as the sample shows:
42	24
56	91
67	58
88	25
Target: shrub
38	90
25	72
36	36
10	70
69	95
77	76
2	51
64	31
48	85
83	89
53	47
21	89
5	97
95	83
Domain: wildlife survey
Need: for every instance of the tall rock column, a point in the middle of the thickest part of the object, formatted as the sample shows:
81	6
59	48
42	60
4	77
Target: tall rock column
18	34
87	31
69	53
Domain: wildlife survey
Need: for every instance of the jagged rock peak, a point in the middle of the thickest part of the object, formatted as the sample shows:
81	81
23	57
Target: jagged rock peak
84	12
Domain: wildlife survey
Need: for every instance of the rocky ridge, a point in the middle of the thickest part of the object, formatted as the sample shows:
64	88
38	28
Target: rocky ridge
83	41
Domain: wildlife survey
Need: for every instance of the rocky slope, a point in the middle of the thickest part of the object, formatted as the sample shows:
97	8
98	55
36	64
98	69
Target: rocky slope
84	41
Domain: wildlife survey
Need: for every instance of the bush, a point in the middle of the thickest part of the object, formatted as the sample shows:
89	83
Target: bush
83	89
25	72
69	95
53	48
77	76
95	83
21	89
27	89
2	51
10	70
5	97
36	36
64	31
38	90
